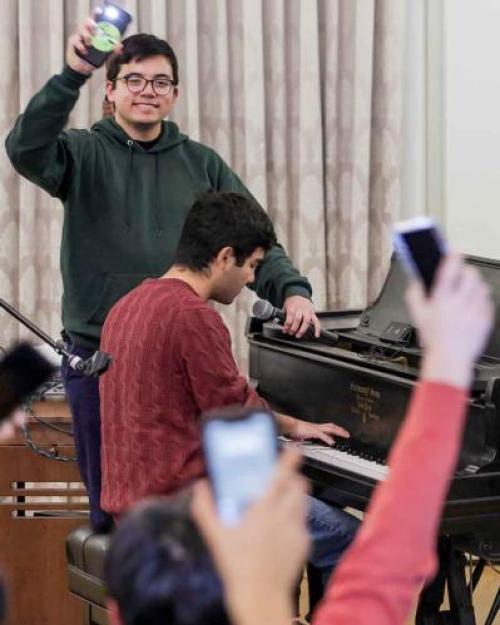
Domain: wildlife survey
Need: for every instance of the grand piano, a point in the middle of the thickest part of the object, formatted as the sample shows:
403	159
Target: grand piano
363	381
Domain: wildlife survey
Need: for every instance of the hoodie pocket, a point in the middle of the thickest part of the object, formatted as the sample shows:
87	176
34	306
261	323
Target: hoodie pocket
115	286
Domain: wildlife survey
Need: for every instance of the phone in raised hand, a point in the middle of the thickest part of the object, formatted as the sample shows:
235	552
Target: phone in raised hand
111	22
240	450
420	246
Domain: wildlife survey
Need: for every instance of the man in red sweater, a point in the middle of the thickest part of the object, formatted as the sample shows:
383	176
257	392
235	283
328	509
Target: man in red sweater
173	361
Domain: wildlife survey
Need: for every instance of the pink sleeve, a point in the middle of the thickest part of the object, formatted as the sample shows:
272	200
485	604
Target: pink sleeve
394	551
212	373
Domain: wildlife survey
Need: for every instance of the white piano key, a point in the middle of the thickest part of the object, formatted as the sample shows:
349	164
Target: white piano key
342	460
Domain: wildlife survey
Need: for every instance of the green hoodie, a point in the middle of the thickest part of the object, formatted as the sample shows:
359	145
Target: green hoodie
124	207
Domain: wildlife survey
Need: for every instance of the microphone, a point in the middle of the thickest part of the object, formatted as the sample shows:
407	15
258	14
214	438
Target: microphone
265	311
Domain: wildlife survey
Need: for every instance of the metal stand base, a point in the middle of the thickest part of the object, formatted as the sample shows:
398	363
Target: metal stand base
451	573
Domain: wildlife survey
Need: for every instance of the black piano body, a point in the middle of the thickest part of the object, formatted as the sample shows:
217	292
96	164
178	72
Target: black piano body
364	382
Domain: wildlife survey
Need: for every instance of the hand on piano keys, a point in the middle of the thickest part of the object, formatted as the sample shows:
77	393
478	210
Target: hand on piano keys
341	457
299	430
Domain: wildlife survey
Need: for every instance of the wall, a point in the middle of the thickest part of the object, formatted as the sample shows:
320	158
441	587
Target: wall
472	125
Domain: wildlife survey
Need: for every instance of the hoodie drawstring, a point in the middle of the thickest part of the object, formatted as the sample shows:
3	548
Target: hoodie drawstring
126	216
159	229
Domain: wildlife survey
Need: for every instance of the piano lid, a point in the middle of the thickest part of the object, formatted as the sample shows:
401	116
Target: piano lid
390	304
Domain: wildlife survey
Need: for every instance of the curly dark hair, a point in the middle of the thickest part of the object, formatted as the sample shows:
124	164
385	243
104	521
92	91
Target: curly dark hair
219	220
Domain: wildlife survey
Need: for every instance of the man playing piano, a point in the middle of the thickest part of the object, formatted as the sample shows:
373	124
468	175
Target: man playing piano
172	361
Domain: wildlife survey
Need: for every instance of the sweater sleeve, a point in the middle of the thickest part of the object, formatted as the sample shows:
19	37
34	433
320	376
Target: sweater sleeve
394	552
37	146
276	278
212	373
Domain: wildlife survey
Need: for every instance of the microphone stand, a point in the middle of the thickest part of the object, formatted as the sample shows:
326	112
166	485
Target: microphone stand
93	366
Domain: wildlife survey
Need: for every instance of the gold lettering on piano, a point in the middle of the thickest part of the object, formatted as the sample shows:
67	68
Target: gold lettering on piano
365	402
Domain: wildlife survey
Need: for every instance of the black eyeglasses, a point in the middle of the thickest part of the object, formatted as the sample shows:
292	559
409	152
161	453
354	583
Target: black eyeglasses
137	83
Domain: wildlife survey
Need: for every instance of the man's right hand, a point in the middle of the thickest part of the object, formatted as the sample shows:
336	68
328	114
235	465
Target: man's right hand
454	322
80	41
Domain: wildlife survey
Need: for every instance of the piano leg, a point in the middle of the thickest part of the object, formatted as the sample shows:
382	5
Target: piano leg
452	569
459	593
432	596
476	576
495	609
478	571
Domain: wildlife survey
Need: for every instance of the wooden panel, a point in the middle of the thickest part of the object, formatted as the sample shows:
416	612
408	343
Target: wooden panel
34	525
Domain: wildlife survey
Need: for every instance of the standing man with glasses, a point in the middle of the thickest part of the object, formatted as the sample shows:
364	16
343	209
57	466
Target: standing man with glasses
127	185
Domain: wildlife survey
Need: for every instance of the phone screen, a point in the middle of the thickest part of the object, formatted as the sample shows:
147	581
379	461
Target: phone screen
22	371
111	22
240	455
420	247
425	252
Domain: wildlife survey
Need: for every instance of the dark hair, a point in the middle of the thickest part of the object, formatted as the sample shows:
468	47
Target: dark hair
159	571
138	47
219	220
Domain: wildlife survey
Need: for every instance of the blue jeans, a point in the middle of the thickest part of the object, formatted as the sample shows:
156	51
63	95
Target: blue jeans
332	531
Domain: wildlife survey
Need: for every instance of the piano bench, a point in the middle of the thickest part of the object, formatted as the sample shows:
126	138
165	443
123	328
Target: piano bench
85	554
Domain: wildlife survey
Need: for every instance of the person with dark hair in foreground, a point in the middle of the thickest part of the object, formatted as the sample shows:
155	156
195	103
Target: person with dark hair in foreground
393	554
173	362
158	569
127	185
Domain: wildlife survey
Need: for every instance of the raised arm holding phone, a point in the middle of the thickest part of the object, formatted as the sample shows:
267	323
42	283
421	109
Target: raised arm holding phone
394	552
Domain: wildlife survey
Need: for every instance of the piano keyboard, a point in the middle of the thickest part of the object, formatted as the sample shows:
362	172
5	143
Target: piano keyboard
342	460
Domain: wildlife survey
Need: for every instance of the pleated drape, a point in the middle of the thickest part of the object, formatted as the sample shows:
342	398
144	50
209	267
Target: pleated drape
303	98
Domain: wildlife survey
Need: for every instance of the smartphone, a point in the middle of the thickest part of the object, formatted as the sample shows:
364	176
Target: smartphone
22	371
420	246
241	448
111	22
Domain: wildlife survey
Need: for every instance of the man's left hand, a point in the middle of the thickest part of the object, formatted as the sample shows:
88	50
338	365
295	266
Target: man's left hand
300	316
303	430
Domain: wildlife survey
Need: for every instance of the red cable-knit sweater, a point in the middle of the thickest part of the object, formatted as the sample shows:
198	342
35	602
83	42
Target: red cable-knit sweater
172	360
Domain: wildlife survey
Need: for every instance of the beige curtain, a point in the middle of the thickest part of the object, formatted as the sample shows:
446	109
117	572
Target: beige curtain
302	97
